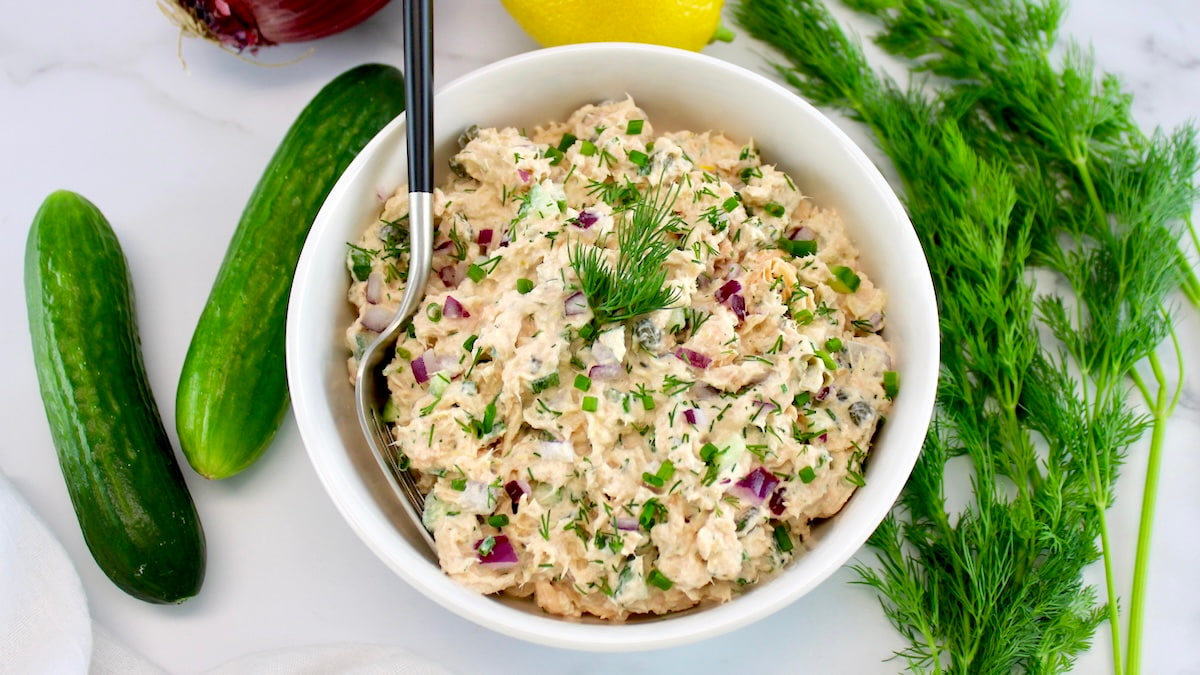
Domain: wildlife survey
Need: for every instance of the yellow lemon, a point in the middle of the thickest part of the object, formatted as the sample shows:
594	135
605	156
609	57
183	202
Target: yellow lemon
686	24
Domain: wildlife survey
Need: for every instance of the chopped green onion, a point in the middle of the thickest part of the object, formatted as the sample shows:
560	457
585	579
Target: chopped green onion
634	127
583	382
666	470
498	520
774	209
648	402
587	331
434	312
587	148
590	403
475	273
652	510
891	383
800	400
639	158
730	204
486	546
567	141
804	317
469	343
709	452
555	155
459	484
750	172
798	248
524	286
543	383
826	359
782	540
844	279
833	345
404	353
651	479
659	580
807	475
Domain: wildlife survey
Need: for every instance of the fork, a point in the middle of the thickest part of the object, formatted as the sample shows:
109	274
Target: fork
370	387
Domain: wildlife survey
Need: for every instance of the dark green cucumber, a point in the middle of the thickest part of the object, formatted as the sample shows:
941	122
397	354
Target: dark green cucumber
233	390
129	495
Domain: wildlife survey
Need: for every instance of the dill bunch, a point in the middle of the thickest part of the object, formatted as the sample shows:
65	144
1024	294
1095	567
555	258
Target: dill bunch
636	284
1013	164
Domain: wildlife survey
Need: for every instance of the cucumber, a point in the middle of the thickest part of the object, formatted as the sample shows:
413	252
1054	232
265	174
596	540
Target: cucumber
233	389
129	494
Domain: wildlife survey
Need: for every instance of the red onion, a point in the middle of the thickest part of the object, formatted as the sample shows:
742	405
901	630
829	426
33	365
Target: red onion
515	489
776	504
250	24
694	416
802	234
727	289
484	238
377	318
823	437
524	175
420	369
450	276
823	393
428	363
604	371
575	304
502	555
738	304
767	406
374	288
506	239
586	219
443	246
627	523
692	358
755	486
453	309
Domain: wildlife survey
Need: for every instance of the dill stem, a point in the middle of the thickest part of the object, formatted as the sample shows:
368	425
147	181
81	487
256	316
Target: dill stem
1162	411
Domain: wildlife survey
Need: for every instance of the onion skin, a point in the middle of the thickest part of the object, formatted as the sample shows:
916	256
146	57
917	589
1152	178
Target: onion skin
250	24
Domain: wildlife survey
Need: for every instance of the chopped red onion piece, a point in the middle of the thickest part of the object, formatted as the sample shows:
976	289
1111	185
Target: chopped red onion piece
420	367
453	309
377	318
627	523
374	288
767	406
506	239
692	358
727	289
755	486
776	504
604	371
738	304
823	393
525	175
515	489
823	437
575	304
695	416
501	556
443	246
484	238
449	276
586	219
802	233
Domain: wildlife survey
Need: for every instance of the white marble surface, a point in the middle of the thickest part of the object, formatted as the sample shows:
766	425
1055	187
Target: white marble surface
94	99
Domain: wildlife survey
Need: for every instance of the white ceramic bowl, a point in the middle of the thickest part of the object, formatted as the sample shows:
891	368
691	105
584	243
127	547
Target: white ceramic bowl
678	90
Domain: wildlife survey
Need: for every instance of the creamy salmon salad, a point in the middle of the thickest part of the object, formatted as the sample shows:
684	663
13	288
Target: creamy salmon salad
646	364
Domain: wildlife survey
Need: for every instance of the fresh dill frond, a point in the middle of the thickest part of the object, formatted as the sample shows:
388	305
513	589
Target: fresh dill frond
636	284
1014	164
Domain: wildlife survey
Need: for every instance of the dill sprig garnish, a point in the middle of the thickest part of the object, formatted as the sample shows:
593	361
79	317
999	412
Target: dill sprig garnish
1014	164
636	285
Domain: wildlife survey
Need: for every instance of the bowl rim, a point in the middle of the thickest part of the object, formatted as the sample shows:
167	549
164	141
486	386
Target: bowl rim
362	513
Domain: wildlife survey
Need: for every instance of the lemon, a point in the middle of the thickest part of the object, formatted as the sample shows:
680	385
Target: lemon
686	24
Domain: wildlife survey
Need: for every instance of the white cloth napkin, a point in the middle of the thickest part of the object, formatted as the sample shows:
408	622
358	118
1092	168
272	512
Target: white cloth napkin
45	626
